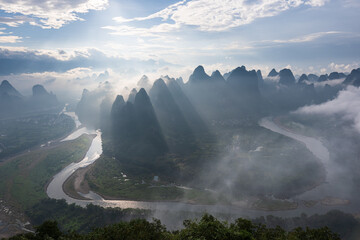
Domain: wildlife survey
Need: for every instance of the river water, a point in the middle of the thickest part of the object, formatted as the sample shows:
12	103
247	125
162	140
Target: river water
55	189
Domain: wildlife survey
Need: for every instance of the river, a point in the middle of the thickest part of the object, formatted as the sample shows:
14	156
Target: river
55	189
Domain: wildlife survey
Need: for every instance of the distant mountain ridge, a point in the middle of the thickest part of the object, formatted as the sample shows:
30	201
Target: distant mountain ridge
353	78
12	103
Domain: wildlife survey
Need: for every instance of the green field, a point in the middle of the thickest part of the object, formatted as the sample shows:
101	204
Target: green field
23	182
104	178
20	134
23	179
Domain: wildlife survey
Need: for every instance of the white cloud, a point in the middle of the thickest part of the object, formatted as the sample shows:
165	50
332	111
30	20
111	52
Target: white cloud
124	30
316	3
346	105
307	38
10	39
50	13
15	21
341	67
221	15
333	82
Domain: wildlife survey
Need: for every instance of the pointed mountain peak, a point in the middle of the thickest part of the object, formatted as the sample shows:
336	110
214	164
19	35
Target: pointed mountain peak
7	88
141	97
259	75
199	75
273	73
160	83
216	73
131	97
160	88
5	83
118	104
303	78
216	76
199	69
286	77
144	78
119	100
144	82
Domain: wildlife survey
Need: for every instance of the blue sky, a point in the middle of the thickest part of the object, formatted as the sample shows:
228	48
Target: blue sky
58	43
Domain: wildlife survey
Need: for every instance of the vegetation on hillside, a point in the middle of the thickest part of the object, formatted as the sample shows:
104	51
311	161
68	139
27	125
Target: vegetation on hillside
23	179
207	228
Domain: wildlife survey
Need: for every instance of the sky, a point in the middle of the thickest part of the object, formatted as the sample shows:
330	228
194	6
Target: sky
69	45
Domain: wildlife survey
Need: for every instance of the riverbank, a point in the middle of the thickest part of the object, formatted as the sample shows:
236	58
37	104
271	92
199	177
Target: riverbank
261	207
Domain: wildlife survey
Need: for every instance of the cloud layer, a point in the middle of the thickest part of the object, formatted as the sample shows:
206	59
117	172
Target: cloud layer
22	60
346	105
221	15
50	13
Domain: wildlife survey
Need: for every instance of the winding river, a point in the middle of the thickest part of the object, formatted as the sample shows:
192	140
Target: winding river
55	189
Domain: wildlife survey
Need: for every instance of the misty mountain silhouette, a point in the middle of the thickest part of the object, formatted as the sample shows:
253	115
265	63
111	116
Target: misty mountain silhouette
12	103
39	90
273	73
245	87
334	75
353	78
286	77
89	107
199	75
7	89
171	118
216	76
260	77
323	78
144	82
191	115
313	77
132	95
236	98
303	78
42	99
118	104
245	82
136	130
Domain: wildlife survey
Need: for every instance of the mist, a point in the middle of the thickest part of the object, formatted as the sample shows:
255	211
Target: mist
346	106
